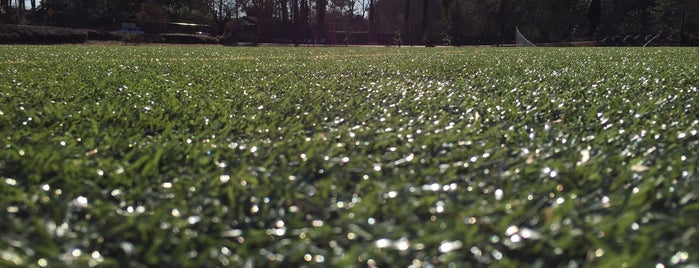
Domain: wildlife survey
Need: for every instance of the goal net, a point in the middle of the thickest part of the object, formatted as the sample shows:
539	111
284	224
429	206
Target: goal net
522	41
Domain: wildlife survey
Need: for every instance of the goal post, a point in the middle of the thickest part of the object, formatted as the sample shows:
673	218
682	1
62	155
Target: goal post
522	41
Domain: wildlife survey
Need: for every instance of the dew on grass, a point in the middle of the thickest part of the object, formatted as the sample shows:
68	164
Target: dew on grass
232	233
127	247
433	187
679	257
599	253
402	244
193	219
438	207
605	201
10	181
497	255
498	194
308	257
383	243
448	246
527	233
406	157
115	193
513	229
80	202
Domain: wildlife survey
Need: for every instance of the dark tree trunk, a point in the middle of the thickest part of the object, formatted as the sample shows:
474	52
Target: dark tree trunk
33	3
406	20
321	6
425	19
372	20
593	15
295	12
304	12
218	17
501	20
284	14
294	19
303	19
285	11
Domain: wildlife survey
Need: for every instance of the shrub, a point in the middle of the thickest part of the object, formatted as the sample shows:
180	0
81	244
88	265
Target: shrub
25	34
172	39
99	35
188	39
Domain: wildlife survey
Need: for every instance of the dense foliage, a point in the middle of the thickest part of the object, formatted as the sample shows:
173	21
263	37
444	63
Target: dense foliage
380	21
204	157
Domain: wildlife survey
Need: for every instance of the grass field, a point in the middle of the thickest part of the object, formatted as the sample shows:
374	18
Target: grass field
216	156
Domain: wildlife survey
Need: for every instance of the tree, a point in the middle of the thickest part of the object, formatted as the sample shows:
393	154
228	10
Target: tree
425	24
222	11
4	7
321	8
690	20
372	15
666	16
283	5
621	17
448	16
406	19
593	15
502	21
303	19
151	17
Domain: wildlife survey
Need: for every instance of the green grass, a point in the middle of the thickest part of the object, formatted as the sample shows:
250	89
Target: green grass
214	156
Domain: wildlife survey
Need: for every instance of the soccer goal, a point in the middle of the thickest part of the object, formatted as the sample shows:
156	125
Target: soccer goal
522	41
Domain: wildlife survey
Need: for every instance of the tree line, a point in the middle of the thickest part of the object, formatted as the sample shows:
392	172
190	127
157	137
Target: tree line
429	22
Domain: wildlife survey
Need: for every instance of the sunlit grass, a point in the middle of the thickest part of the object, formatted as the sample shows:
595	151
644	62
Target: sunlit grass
214	156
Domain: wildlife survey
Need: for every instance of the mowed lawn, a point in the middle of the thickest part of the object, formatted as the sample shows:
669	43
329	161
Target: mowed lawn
190	156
